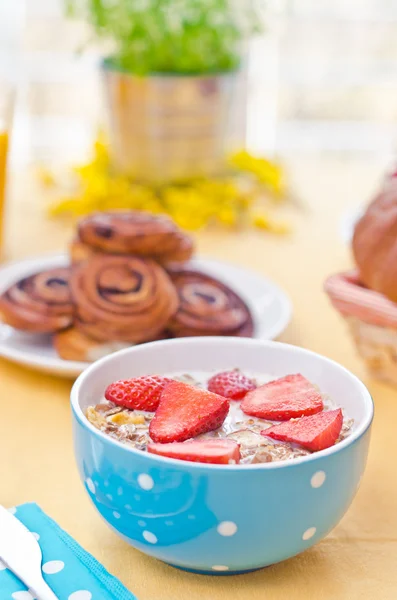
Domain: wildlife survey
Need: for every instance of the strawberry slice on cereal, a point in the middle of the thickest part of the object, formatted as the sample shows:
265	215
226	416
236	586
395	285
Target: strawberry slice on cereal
185	412
283	399
216	452
314	433
141	393
232	385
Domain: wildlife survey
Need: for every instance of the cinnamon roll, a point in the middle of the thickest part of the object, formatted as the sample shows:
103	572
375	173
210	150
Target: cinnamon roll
40	303
208	307
79	252
72	344
122	298
138	233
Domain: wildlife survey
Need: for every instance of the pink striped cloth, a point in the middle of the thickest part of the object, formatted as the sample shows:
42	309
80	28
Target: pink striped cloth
352	299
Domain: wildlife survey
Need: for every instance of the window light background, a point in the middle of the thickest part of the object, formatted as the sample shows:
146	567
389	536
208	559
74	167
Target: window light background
322	80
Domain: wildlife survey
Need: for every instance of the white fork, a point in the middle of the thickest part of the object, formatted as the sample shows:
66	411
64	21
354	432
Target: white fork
21	553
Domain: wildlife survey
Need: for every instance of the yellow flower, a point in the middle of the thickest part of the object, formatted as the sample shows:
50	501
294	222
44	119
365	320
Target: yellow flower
268	173
45	176
193	205
187	206
76	206
264	221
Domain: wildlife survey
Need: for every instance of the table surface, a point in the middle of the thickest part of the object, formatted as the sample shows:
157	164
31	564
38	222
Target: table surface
358	559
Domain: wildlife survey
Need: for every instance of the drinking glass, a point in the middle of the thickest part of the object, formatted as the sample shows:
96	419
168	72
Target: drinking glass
6	112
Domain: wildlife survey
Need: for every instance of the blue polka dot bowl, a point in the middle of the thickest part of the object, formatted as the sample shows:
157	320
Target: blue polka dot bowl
218	519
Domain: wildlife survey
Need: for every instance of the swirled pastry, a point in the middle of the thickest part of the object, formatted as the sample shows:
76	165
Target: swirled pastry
137	233
79	252
122	298
40	303
73	344
208	307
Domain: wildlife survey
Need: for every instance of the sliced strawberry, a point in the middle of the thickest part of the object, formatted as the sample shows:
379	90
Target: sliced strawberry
315	433
185	412
286	398
217	452
231	384
141	393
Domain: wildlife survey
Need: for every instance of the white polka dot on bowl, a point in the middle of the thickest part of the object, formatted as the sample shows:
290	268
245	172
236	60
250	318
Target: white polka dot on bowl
80	595
53	566
227	528
318	479
220	568
309	533
145	482
150	537
90	484
116	515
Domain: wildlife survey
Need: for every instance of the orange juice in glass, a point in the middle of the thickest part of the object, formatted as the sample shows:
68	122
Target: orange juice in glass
3	164
6	109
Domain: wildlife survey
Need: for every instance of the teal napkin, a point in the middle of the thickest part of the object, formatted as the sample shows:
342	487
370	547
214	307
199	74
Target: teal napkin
70	571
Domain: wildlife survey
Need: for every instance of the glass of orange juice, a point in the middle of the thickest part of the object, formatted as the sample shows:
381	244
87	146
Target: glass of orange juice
6	113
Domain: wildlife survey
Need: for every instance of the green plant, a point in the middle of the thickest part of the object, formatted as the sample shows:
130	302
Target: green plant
172	36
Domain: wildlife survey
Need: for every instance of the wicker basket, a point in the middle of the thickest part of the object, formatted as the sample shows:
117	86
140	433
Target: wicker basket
372	319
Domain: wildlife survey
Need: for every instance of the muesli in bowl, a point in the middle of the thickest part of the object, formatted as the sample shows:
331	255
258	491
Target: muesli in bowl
221	518
222	418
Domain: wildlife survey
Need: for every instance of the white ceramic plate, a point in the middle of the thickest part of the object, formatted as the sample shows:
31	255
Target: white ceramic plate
270	306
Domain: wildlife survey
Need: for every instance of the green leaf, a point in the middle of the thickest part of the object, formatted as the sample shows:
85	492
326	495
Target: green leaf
172	36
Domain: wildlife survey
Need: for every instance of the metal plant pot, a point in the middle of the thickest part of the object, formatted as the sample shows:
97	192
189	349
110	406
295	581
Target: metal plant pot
166	127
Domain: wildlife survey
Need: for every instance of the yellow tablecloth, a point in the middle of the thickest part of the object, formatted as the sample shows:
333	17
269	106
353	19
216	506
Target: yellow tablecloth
358	559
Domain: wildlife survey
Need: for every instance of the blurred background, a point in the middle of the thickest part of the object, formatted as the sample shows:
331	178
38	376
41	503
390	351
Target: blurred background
323	79
321	92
